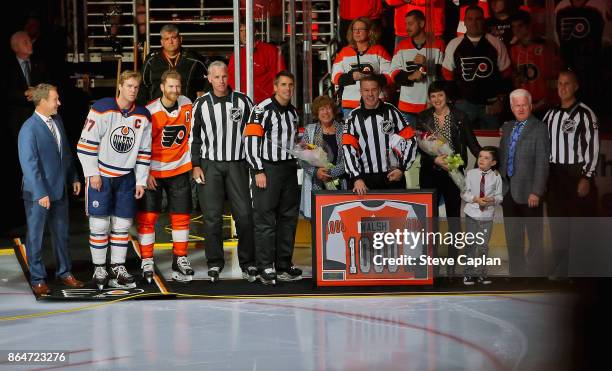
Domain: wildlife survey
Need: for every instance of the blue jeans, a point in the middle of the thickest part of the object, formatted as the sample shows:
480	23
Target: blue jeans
477	115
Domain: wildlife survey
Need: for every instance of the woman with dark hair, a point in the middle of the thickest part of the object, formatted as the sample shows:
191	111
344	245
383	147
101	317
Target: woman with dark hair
326	133
452	126
363	56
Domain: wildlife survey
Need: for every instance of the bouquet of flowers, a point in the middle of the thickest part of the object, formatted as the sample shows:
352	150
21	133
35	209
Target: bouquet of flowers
315	156
436	146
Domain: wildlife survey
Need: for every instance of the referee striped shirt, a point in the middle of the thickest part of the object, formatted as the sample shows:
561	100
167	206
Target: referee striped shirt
574	137
218	126
270	133
366	146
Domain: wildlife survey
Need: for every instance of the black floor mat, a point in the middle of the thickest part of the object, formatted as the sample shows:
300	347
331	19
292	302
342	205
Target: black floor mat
82	269
230	288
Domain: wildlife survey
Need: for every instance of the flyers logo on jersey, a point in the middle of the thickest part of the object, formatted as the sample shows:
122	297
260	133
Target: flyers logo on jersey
574	28
473	67
122	139
364	68
411	67
173	134
529	71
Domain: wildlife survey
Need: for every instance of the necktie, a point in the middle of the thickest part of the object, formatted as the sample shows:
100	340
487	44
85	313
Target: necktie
482	189
516	133
26	71
53	131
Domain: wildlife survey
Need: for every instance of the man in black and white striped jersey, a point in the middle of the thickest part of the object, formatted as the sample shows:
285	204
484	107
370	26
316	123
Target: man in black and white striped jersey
219	167
374	157
574	151
270	136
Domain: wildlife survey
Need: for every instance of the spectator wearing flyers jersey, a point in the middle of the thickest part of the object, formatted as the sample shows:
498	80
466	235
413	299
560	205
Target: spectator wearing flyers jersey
535	64
410	65
479	64
579	26
362	57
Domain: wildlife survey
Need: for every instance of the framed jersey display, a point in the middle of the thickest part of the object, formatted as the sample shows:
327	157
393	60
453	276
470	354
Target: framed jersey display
372	240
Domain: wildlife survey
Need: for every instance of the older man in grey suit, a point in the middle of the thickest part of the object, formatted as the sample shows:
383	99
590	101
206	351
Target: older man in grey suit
524	157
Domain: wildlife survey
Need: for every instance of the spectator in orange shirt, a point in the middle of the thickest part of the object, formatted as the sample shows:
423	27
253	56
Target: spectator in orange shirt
403	7
353	9
267	62
535	64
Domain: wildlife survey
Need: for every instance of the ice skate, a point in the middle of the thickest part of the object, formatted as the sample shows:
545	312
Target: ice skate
250	274
268	276
100	277
120	278
181	269
147	269
213	273
292	274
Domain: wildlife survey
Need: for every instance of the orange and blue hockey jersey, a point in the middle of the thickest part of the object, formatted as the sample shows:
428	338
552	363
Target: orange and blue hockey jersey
115	142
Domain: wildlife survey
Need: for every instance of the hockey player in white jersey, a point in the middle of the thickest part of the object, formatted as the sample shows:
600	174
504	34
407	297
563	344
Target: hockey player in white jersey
115	152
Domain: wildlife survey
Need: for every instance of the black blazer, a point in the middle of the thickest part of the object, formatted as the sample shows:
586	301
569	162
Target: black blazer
461	133
19	107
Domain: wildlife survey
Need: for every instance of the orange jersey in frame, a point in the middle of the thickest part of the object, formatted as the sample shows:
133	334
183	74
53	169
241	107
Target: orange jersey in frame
170	154
349	237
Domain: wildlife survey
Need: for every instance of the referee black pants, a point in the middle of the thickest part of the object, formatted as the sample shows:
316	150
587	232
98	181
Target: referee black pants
229	178
275	212
562	204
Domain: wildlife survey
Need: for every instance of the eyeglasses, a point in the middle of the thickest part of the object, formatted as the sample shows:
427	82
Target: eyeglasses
359	29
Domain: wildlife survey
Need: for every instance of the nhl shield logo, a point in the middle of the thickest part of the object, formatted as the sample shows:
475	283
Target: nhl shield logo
236	114
569	126
387	127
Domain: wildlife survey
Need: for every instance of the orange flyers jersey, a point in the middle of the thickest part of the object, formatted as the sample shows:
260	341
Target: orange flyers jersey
349	237
536	67
170	155
374	60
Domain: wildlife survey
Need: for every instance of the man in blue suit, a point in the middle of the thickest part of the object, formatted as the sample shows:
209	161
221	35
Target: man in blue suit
47	166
